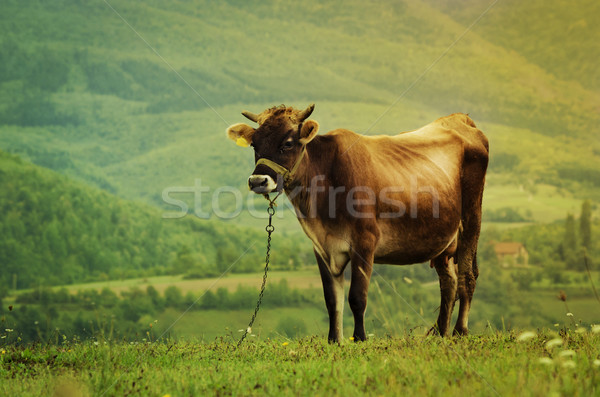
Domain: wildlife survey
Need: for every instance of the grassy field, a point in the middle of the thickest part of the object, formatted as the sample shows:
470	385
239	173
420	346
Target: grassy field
301	279
494	364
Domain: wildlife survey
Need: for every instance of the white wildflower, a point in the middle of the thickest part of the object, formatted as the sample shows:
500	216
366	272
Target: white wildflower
566	353
596	328
525	336
596	363
554	342
569	364
545	361
569	314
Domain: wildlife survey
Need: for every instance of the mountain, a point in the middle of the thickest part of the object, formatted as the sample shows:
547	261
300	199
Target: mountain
135	100
55	231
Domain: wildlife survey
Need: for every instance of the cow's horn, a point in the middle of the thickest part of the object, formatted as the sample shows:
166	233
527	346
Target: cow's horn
250	116
306	112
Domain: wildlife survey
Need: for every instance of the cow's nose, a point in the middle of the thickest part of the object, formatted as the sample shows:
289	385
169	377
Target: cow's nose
258	181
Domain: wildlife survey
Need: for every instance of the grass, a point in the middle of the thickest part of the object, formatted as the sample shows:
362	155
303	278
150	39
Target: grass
493	364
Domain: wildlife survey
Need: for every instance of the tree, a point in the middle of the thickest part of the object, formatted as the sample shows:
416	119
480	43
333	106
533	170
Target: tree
173	296
570	239
585	224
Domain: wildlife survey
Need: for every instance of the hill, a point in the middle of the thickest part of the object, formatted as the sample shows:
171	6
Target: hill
89	98
55	231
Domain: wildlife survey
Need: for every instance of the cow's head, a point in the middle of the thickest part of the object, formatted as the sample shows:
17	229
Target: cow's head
279	142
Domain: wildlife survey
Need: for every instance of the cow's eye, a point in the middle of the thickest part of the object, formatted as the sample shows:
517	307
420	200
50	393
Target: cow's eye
287	145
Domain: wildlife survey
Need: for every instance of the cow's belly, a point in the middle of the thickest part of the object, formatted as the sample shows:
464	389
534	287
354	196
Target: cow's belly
401	244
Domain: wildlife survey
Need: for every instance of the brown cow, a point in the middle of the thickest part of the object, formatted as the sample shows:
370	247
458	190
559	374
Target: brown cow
402	199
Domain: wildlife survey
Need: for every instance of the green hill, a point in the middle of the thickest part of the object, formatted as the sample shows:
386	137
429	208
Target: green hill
54	231
89	98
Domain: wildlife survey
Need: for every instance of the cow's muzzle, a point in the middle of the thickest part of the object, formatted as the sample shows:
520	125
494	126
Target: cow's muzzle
261	184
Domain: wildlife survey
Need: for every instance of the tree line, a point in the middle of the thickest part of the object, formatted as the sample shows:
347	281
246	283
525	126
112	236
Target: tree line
43	313
55	231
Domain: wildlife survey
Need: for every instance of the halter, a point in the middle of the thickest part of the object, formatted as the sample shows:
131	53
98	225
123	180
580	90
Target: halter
287	175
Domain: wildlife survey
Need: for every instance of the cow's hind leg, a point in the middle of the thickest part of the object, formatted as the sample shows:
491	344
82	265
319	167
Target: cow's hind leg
333	290
467	278
472	197
446	271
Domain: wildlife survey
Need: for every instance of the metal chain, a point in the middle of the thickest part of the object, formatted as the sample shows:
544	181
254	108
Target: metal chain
270	228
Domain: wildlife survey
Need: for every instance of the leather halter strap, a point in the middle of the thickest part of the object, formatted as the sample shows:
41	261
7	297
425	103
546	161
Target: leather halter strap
287	175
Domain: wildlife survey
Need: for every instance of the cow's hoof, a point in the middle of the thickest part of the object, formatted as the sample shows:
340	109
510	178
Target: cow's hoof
459	331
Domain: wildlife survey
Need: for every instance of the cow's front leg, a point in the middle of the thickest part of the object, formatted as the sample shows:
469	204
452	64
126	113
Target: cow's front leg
333	290
362	266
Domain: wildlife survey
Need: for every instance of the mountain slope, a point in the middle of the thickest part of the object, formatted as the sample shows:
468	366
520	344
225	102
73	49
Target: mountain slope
54	231
110	112
559	36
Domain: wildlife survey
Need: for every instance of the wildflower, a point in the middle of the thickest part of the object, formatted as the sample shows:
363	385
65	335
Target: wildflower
96	343
351	338
596	328
569	314
284	344
4	352
569	364
566	353
556	325
9	330
525	336
596	363
554	342
371	335
545	361
580	330
249	330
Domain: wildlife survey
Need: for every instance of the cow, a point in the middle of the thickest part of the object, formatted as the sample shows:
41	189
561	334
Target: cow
402	199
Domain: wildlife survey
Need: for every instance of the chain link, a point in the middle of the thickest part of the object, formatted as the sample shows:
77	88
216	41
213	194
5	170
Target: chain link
270	228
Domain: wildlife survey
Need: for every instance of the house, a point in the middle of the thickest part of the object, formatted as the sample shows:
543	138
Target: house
511	253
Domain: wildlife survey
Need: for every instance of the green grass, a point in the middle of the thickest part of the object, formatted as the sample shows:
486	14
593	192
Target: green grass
494	364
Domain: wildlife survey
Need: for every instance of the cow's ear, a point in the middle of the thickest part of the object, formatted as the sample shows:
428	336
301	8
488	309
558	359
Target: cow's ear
309	130
241	134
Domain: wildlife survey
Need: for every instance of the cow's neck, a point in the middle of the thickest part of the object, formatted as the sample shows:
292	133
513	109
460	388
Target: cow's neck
309	184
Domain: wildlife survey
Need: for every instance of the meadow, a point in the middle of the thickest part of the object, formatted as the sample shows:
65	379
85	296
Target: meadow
526	364
106	288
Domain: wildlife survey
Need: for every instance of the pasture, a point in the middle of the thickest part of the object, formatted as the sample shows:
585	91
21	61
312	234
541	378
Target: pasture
482	365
